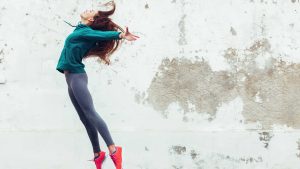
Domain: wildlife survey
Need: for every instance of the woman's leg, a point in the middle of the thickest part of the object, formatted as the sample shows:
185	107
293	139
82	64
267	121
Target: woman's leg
78	84
91	130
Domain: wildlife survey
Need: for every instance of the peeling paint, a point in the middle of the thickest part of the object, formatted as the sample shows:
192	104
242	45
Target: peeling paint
266	1
138	97
193	154
146	6
271	95
181	25
183	81
265	137
260	46
241	159
298	143
279	90
1	55
233	32
201	162
278	87
177	167
2	65
177	149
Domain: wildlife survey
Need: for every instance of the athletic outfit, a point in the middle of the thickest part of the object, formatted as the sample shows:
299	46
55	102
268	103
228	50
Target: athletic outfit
76	45
83	103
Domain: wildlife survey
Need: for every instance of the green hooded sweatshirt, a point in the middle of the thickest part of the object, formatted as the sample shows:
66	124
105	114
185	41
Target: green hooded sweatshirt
78	43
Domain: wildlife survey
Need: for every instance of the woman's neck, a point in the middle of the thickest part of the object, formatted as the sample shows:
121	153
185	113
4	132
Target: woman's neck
86	22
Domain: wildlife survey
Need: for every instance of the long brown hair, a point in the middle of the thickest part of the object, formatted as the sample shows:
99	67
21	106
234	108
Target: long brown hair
103	49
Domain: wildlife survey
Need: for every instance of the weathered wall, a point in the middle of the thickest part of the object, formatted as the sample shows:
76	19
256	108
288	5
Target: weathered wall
209	84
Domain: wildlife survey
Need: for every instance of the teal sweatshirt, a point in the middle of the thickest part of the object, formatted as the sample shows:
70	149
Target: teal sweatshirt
78	43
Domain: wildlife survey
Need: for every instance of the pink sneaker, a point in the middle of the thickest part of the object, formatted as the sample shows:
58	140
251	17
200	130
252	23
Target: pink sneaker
99	160
117	157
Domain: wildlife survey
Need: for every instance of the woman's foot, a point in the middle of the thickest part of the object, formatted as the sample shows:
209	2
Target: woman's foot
117	157
99	159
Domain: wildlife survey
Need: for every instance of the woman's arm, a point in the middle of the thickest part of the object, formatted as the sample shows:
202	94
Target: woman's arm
91	34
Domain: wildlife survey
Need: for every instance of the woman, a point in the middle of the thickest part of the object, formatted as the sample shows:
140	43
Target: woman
95	35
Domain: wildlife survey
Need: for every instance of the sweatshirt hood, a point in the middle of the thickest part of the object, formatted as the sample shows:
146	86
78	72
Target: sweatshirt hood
80	25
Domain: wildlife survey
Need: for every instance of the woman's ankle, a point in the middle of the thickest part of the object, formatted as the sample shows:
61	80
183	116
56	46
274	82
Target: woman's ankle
96	154
112	148
113	152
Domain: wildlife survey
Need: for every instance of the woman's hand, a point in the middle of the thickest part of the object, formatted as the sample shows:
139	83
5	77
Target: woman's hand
128	36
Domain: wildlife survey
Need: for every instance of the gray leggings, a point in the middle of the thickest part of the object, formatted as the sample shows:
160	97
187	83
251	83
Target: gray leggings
83	103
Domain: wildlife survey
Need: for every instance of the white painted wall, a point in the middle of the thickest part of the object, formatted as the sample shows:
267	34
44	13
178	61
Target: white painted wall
39	127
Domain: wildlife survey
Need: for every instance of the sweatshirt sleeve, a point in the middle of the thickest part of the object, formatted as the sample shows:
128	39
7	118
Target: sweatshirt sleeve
92	34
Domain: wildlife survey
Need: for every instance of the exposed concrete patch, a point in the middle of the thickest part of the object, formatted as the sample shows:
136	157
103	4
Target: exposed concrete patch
180	154
266	1
241	159
197	160
233	32
298	143
277	87
217	159
177	149
278	90
177	167
139	97
1	56
270	94
146	6
2	66
265	137
260	46
181	25
193	154
180	80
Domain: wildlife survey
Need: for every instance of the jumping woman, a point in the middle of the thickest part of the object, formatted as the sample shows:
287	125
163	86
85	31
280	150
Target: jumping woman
95	35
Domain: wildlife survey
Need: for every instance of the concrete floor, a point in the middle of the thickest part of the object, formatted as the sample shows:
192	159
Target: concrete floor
151	149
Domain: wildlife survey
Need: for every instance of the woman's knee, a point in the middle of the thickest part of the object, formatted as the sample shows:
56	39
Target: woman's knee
90	115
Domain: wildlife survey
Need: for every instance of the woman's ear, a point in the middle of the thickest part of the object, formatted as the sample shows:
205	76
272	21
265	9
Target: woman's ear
91	19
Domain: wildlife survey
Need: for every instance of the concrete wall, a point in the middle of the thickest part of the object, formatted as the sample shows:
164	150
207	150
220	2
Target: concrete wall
209	85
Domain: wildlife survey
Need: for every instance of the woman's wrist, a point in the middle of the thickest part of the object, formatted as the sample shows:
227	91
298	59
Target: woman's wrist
121	35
